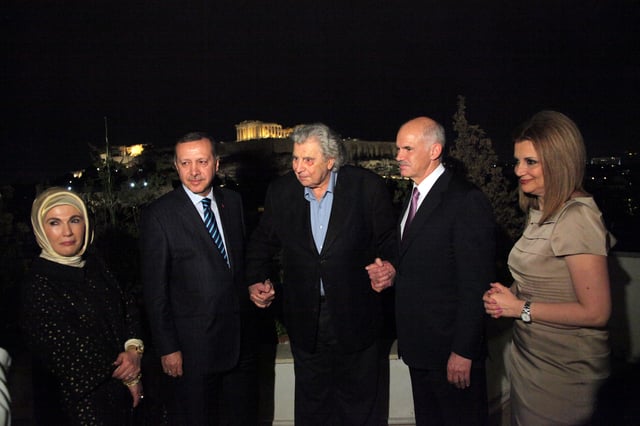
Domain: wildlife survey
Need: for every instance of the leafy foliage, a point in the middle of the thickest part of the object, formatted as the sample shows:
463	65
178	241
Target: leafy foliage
116	193
15	253
472	151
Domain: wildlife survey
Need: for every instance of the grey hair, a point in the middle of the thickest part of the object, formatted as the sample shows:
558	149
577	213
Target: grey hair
330	142
435	132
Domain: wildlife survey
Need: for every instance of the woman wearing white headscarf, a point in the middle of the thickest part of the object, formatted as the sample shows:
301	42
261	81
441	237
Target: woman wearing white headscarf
76	319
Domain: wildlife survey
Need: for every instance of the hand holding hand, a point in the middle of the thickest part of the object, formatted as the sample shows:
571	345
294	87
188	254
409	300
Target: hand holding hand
127	366
262	294
491	307
381	273
499	301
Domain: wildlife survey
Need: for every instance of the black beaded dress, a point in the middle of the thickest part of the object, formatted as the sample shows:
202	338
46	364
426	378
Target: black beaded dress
75	321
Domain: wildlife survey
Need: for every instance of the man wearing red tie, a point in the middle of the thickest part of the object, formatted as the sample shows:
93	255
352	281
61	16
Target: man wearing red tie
445	263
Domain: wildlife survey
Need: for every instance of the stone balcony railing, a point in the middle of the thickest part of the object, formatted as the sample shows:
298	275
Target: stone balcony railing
278	379
625	341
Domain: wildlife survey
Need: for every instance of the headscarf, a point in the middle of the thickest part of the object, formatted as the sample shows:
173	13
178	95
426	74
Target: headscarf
44	202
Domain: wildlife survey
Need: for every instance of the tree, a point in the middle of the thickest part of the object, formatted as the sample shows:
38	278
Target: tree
474	150
16	241
472	153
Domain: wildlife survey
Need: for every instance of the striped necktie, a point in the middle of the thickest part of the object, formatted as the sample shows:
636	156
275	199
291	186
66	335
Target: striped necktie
212	227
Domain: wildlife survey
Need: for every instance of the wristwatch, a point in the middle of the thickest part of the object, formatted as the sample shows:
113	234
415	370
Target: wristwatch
525	315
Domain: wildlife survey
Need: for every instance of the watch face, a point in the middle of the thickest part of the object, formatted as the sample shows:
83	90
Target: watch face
526	317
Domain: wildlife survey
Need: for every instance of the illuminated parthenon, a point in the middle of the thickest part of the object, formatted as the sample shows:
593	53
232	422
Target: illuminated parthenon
252	129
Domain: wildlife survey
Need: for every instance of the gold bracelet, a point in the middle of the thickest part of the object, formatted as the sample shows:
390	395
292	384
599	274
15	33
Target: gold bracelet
138	348
133	381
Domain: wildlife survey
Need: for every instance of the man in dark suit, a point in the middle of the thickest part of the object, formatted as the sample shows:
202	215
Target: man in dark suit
444	265
329	221
195	295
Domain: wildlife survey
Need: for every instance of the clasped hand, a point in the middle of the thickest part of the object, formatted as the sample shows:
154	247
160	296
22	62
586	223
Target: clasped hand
128	368
262	294
381	273
499	302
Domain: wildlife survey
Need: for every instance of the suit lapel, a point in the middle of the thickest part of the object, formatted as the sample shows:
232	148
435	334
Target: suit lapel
301	217
189	212
428	206
224	215
340	207
186	209
335	221
305	217
226	220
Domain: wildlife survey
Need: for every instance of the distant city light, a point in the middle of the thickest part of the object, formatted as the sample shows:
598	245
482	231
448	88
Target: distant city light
134	150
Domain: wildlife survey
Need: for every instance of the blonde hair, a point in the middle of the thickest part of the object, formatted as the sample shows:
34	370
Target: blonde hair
44	202
563	157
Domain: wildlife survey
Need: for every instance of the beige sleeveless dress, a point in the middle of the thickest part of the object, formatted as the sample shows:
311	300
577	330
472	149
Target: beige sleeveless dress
555	371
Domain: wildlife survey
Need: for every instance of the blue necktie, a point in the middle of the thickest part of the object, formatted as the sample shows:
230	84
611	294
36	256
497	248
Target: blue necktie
212	227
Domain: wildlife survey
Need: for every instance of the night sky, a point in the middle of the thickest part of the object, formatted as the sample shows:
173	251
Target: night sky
157	69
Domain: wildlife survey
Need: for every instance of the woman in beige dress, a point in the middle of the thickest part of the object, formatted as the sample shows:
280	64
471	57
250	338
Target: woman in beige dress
560	296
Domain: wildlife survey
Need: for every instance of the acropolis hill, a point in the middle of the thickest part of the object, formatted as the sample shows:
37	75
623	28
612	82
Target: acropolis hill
269	143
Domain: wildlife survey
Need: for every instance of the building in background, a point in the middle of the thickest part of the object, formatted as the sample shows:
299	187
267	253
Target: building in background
253	129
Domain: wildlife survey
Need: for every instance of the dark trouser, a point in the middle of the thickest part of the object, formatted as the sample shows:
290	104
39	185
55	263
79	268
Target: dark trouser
437	402
333	387
228	398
